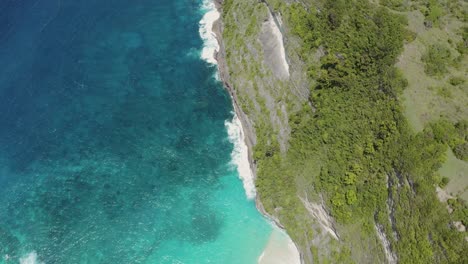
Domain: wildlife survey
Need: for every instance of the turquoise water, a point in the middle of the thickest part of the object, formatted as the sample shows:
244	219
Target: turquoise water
113	144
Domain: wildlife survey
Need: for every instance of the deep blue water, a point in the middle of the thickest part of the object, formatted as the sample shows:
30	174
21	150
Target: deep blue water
113	145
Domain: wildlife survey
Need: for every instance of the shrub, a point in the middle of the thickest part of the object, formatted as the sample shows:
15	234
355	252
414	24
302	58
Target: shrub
434	12
445	92
436	60
461	151
443	182
456	80
398	5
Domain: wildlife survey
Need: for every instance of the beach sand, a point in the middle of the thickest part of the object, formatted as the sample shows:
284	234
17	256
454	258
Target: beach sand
280	250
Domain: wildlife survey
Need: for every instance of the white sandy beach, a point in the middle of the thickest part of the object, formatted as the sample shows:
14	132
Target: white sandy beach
280	250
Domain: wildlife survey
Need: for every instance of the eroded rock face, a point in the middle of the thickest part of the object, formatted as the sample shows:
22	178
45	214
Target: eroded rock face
389	254
317	212
273	49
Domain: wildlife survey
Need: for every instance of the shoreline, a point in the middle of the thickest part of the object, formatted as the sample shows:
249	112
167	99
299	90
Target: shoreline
249	135
246	125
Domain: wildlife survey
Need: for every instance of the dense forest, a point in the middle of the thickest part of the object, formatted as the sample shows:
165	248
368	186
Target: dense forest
350	143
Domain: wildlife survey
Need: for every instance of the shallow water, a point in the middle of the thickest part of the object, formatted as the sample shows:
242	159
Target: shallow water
114	147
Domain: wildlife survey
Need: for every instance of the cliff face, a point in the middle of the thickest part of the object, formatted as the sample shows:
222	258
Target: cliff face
259	65
256	70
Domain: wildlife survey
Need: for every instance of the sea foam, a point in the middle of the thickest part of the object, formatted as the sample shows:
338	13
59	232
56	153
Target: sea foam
210	43
30	258
240	156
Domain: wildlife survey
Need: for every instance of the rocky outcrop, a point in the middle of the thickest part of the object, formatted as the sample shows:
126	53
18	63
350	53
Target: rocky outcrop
319	213
273	49
389	254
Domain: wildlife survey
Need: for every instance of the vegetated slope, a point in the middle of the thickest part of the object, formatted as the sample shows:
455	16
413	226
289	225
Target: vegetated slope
353	182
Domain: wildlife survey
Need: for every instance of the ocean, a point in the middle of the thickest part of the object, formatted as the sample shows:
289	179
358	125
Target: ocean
117	142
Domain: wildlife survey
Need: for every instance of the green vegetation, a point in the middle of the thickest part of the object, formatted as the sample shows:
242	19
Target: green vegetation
394	4
443	182
462	47
427	98
434	11
461	151
460	210
455	170
436	60
351	143
456	80
354	123
455	136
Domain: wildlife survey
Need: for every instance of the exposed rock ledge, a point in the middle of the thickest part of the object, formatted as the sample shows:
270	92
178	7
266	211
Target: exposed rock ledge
274	52
318	212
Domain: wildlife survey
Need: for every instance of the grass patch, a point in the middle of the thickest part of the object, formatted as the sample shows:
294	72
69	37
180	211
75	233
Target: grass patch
427	98
456	171
444	92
